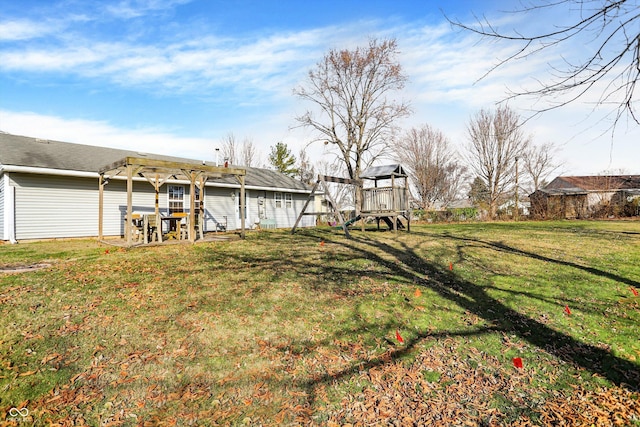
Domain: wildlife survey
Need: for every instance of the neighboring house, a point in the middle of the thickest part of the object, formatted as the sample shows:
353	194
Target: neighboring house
571	197
49	189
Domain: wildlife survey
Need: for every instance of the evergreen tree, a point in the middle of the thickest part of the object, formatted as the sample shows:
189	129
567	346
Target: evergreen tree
479	193
282	159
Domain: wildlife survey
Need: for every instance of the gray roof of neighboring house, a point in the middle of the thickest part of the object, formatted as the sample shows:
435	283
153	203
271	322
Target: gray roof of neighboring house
32	152
585	184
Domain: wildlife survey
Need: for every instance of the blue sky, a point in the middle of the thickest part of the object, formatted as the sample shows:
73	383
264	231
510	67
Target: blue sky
176	76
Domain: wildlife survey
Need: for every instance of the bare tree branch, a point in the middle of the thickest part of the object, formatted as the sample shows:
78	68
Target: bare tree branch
539	162
611	65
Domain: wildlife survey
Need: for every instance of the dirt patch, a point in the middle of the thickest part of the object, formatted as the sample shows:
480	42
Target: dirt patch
24	268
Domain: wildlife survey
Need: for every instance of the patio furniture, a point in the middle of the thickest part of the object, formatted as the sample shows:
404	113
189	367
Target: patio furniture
174	231
137	227
152	230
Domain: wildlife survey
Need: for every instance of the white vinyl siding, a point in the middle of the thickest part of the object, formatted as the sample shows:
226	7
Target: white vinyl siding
49	206
286	217
55	206
218	204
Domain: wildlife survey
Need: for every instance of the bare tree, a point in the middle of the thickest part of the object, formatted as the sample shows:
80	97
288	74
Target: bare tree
249	154
539	162
457	177
229	148
607	34
306	170
351	106
434	171
495	140
240	154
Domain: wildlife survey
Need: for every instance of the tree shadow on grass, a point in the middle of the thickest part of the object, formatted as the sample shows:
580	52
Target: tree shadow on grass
408	264
500	246
402	263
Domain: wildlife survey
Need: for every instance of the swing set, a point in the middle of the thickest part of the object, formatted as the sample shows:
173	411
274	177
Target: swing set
387	203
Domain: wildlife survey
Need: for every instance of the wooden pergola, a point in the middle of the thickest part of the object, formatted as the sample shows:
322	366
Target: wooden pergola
157	172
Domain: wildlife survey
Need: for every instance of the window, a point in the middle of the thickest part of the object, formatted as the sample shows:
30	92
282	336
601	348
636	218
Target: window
284	200
176	198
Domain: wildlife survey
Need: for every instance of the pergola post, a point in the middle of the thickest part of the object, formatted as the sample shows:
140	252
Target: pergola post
100	206
127	222
242	207
203	180
192	207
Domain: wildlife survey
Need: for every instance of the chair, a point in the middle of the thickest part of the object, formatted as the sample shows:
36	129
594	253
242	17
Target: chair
136	227
222	226
153	228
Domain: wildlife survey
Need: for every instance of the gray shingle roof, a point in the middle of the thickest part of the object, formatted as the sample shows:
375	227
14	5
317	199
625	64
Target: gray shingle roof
32	152
584	184
383	172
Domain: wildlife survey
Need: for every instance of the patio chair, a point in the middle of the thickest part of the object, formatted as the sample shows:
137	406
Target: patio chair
137	228
153	229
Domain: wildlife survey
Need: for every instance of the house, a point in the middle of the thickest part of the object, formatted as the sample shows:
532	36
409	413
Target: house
575	197
50	189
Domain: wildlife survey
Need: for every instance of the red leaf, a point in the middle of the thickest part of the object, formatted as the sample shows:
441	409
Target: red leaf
399	337
322	243
635	293
451	266
517	362
567	310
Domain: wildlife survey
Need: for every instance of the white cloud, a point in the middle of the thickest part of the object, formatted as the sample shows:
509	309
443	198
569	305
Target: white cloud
13	30
128	9
266	64
101	133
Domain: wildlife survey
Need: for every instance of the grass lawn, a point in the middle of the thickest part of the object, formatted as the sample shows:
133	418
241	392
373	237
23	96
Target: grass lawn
420	328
